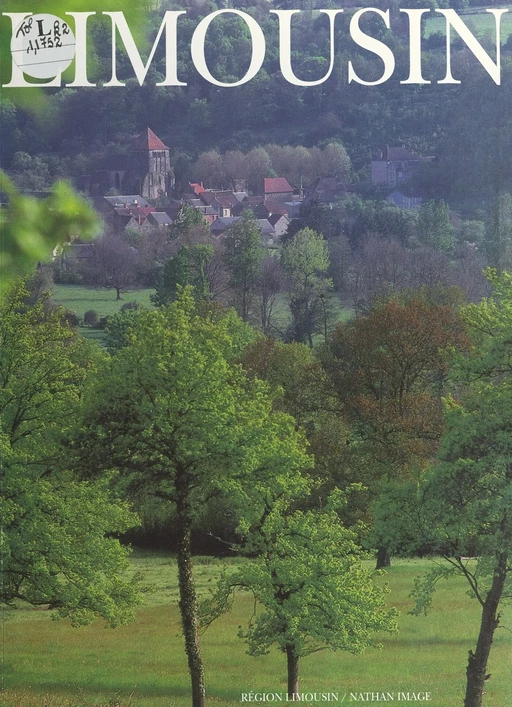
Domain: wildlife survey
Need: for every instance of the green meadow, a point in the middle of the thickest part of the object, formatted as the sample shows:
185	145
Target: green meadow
481	23
50	664
79	299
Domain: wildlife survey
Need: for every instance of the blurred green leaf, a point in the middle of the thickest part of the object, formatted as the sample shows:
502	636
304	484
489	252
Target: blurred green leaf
30	229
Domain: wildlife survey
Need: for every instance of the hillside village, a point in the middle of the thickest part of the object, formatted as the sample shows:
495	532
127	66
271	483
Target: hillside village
136	191
260	390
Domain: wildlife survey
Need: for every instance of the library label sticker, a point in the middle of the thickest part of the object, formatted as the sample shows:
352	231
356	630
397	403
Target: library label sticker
43	46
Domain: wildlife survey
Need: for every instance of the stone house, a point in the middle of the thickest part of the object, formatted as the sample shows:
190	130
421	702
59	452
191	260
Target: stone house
277	189
323	190
394	166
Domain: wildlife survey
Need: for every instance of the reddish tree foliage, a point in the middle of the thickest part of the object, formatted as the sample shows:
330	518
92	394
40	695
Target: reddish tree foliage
387	370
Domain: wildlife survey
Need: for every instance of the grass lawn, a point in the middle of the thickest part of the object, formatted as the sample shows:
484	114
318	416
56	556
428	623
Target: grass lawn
50	664
480	23
79	299
338	313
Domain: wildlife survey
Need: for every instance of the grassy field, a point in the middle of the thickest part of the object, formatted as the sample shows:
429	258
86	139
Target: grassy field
50	664
79	299
479	22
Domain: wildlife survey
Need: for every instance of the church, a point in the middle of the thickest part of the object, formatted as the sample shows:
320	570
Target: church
145	170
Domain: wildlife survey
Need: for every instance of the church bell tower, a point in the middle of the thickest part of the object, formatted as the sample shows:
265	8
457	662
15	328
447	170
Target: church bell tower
151	166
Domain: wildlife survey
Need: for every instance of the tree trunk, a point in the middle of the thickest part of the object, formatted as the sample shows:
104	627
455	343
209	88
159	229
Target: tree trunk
477	663
118	293
188	599
292	662
383	558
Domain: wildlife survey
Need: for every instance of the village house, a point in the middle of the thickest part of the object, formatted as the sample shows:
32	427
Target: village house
221	225
323	190
121	212
270	233
394	166
221	208
159	219
404	201
277	189
279	223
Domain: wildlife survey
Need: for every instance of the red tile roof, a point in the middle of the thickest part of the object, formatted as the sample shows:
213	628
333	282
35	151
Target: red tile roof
196	188
276	185
147	140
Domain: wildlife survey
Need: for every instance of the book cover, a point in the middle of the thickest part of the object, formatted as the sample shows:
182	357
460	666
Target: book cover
254	353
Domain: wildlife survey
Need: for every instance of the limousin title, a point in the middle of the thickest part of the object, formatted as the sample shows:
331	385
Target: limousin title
43	46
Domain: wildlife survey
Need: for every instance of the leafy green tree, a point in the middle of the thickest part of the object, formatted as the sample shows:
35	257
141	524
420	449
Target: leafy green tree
243	256
293	371
187	220
314	591
499	234
187	267
32	228
57	543
434	227
183	423
306	260
461	507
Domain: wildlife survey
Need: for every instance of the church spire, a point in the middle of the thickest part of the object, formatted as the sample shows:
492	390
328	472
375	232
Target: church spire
146	141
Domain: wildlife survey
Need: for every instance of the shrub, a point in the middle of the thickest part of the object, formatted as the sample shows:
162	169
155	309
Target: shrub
91	317
71	318
101	323
130	305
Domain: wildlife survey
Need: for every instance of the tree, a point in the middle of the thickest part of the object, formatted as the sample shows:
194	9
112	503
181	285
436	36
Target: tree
460	507
32	228
57	532
306	260
30	173
269	285
434	227
209	169
258	166
314	591
114	265
294	373
243	255
187	267
188	224
460	510
335	162
234	167
381	269
293	163
499	235
387	370
183	423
